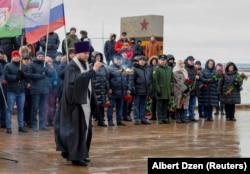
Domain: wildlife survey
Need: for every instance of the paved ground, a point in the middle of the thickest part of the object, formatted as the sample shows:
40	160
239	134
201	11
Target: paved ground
126	149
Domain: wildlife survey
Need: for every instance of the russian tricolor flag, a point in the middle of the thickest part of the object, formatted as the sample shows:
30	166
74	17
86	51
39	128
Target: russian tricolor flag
57	20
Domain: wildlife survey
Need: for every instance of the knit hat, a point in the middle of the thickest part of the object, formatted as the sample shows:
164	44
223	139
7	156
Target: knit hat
15	53
40	53
81	47
197	62
143	58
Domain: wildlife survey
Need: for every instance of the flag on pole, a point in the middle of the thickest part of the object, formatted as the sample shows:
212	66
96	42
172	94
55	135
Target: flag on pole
36	29
11	18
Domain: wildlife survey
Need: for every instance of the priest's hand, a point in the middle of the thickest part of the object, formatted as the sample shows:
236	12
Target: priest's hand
97	66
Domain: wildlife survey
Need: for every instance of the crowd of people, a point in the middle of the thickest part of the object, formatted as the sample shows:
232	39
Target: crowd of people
66	89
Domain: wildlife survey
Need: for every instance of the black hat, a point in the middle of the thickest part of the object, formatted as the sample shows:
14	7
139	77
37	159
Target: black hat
124	33
170	56
143	58
83	32
81	47
72	28
162	56
197	62
190	58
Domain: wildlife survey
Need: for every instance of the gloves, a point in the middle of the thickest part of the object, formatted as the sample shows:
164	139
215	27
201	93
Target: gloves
236	84
158	93
44	70
186	91
172	93
21	74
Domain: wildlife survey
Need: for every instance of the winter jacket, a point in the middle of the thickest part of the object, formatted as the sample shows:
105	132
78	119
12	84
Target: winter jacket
140	81
10	72
118	82
40	83
229	82
209	95
179	88
152	49
53	44
8	45
100	83
191	75
163	77
119	45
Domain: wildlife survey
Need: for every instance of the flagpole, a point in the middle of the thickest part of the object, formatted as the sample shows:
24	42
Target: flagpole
47	38
65	40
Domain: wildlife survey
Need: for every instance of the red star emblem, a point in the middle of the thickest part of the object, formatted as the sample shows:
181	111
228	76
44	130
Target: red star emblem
144	25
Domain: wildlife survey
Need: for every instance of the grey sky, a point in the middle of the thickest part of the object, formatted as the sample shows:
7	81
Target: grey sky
217	29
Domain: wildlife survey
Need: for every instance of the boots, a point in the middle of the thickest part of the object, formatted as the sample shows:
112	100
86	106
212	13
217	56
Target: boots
153	117
182	116
177	116
217	111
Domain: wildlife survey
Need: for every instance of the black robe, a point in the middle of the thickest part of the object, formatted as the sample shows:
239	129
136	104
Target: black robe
70	125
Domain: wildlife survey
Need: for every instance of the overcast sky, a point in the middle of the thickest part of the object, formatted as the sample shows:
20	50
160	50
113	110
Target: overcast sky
218	29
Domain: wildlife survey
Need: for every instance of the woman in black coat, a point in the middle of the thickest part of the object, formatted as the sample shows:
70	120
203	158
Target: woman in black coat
209	94
229	88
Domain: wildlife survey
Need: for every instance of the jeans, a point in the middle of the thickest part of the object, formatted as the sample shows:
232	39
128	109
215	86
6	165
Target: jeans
19	99
118	103
38	105
140	107
191	107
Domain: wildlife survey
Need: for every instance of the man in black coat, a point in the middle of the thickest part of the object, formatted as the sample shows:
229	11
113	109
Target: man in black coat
73	126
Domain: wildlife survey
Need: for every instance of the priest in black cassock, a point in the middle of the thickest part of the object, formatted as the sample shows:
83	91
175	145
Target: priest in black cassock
73	124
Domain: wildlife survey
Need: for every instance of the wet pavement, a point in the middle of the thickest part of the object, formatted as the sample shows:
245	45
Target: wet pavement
125	149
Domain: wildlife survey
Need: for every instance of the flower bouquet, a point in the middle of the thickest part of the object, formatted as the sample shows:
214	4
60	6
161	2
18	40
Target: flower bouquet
128	98
241	77
203	86
188	83
217	76
171	104
107	104
239	80
229	91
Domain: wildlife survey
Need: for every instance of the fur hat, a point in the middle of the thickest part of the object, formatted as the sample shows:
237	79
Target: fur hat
15	53
81	47
40	53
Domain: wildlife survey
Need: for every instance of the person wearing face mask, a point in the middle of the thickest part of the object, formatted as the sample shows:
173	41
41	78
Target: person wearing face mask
209	95
171	60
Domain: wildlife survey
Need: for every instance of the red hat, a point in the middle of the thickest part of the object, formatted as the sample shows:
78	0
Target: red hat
15	53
